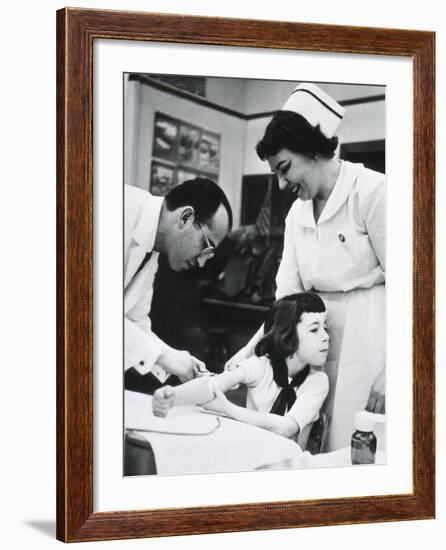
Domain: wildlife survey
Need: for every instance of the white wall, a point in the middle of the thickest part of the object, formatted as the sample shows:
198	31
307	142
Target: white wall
354	129
269	95
230	128
230	93
28	275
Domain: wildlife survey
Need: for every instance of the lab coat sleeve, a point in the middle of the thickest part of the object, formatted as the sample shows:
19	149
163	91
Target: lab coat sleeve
143	347
374	216
288	278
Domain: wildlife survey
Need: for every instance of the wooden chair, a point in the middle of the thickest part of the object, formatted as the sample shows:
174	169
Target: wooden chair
317	436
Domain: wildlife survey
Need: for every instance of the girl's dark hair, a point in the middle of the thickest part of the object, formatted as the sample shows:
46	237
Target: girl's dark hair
203	194
280	338
288	130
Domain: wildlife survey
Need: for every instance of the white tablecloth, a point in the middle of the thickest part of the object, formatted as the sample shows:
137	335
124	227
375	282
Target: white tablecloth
208	443
190	441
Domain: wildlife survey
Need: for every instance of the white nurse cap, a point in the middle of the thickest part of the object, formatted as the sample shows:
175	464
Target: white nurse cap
316	107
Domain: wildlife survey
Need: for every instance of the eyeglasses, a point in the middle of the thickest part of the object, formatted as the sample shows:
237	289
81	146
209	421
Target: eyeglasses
208	252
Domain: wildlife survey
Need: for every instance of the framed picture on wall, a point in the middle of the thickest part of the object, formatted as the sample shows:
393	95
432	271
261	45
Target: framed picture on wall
209	157
188	145
183	175
162	178
165	138
95	501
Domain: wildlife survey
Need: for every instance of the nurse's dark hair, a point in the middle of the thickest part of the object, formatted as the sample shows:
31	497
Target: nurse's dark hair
280	338
288	130
203	194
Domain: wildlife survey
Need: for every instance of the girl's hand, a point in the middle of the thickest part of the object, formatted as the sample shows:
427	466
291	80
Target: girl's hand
163	400
377	397
219	404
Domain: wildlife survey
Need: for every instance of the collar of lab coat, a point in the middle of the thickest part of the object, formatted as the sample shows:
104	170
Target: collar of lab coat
343	186
144	233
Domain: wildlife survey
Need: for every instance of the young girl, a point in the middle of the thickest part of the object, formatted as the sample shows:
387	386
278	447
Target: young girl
285	380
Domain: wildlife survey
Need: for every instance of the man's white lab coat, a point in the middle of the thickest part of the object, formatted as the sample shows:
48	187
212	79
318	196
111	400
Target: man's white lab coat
141	346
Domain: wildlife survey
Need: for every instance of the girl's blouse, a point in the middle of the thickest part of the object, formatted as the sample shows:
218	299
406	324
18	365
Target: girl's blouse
345	250
263	390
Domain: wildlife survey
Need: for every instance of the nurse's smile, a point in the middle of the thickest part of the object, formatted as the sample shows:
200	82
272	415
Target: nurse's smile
294	172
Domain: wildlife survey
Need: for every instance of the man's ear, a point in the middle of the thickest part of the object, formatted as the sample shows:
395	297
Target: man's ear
186	216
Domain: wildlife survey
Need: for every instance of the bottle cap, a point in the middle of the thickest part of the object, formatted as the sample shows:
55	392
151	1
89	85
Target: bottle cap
364	421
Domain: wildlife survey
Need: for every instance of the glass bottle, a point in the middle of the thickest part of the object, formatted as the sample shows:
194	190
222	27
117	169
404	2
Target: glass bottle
363	447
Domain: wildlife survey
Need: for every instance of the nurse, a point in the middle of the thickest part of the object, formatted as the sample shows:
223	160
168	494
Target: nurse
334	244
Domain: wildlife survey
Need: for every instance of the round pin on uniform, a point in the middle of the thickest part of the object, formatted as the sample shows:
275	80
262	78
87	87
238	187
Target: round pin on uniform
341	238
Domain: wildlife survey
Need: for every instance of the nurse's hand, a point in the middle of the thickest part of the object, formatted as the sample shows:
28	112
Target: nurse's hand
377	397
233	362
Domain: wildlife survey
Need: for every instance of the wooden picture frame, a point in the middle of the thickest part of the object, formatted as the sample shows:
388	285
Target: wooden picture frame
77	29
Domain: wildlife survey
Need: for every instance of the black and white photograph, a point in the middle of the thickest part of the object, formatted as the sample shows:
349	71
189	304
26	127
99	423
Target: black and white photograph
165	137
162	177
254	288
209	160
189	145
183	175
133	404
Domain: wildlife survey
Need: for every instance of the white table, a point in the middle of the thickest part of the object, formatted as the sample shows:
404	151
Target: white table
190	441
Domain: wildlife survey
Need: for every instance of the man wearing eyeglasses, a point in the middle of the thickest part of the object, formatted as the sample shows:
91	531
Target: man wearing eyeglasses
186	226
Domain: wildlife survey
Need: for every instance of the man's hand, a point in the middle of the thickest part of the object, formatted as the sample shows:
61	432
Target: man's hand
377	397
163	400
181	363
